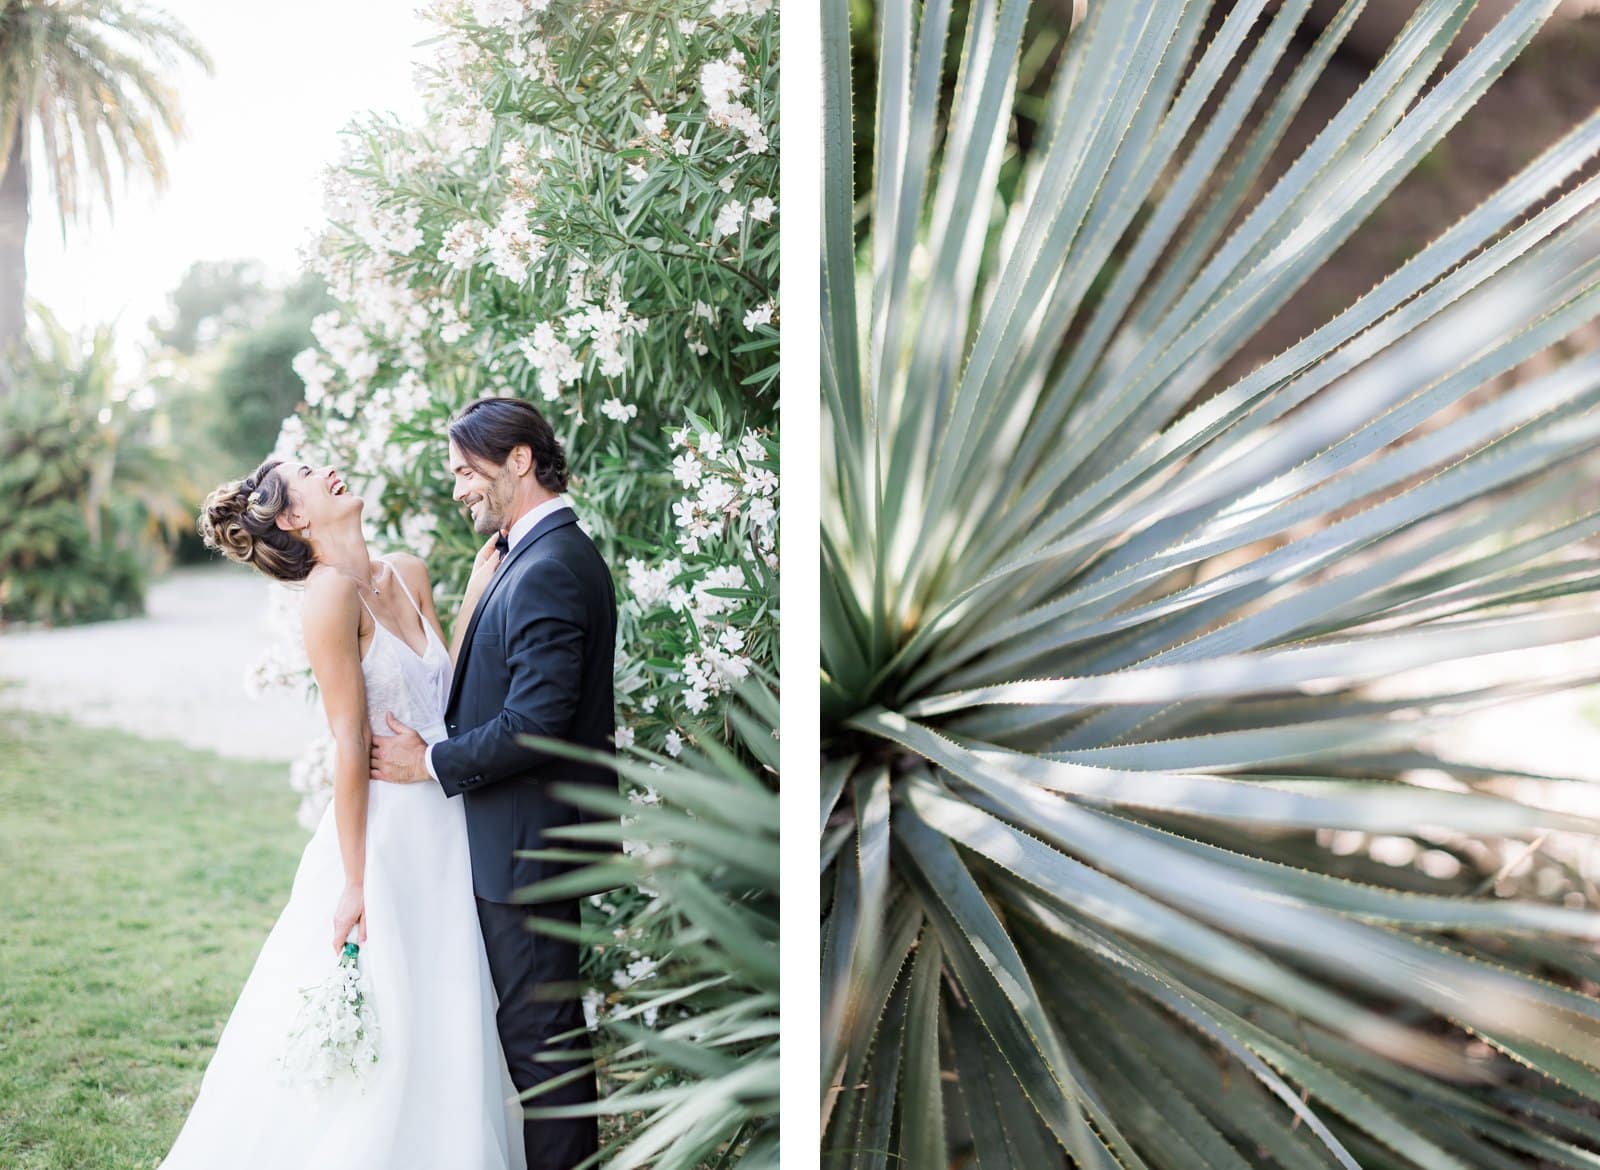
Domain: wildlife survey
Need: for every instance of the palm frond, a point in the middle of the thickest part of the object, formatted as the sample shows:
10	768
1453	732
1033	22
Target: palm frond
95	80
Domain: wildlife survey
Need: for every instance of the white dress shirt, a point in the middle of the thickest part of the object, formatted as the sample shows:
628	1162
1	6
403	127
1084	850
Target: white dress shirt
519	530
525	525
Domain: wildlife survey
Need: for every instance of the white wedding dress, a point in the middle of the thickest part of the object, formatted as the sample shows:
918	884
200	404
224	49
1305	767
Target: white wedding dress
439	1097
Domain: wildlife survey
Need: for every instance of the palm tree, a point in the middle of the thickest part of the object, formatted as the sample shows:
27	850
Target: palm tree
1099	614
90	80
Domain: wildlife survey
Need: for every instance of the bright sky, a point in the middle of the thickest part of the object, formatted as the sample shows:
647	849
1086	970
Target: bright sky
246	180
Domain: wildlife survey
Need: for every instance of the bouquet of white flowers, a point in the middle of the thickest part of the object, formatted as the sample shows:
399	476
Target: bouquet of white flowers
335	1032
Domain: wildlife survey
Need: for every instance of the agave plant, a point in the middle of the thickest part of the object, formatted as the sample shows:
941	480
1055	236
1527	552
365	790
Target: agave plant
690	1053
1100	619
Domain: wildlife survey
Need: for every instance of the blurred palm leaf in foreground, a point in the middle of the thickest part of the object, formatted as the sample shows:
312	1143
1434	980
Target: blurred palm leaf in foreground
1099	622
690	1064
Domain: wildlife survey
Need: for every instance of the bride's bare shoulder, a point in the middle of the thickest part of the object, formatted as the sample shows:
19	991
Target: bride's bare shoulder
330	606
327	587
410	566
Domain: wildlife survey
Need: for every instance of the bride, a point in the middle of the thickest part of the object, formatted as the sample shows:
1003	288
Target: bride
387	867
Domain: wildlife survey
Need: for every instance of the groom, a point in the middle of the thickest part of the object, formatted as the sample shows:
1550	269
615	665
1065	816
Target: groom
535	659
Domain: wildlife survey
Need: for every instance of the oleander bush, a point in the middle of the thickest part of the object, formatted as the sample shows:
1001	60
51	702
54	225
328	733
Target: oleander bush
586	218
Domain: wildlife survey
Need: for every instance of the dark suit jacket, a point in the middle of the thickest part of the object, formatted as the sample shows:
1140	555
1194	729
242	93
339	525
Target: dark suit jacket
536	660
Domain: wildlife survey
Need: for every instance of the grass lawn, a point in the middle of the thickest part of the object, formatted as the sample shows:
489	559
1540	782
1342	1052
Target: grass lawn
141	880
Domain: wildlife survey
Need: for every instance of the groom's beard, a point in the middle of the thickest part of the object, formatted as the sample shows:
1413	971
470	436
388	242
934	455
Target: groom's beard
491	514
486	521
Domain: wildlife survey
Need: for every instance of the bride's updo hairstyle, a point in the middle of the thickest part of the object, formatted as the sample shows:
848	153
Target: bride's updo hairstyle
240	521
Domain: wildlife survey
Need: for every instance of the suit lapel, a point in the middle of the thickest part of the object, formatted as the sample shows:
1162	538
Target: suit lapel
557	519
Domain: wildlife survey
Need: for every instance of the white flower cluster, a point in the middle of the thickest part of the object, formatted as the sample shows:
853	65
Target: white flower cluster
594	332
558	366
311	775
370	369
728	220
731	216
335	1033
760	315
345	343
462	244
315	373
505	13
381	313
607	330
533	61
718	667
462	127
283	666
640	969
513	246
722	83
729	484
729	510
594	1006
595	1003
633	968
291	438
455	67
396	230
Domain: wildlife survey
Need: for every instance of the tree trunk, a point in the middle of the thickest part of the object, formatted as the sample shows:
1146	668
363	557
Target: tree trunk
13	257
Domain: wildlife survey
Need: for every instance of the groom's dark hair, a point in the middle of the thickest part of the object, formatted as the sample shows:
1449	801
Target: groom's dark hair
490	427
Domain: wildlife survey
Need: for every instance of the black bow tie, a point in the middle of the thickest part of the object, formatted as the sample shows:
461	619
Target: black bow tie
502	545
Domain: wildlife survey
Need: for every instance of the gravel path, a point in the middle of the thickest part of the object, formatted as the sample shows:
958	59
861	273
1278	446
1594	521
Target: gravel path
176	674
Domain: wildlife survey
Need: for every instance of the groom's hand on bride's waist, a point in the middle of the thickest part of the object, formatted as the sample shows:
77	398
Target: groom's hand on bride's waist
399	758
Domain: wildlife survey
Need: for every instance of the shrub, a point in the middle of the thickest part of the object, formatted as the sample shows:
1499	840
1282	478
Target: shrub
90	499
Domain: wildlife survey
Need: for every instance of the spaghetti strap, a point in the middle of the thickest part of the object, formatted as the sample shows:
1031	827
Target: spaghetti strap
404	588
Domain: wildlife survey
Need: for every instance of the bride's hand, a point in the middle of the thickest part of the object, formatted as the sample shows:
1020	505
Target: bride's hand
483	567
350	912
487	560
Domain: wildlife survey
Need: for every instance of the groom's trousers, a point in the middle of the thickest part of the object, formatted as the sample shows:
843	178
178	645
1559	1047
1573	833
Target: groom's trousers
536	977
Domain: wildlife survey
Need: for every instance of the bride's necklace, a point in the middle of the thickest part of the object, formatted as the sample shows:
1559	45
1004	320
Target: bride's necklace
376	592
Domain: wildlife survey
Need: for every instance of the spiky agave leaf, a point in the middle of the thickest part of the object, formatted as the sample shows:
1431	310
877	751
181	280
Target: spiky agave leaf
699	1088
1099	623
